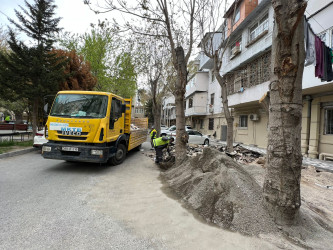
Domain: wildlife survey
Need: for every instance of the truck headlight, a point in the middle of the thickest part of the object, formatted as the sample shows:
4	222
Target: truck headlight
96	152
46	149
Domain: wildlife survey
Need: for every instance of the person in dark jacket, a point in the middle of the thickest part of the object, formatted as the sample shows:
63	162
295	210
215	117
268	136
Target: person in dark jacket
159	144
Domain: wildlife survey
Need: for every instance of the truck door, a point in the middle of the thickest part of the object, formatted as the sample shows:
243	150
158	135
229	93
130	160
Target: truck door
116	123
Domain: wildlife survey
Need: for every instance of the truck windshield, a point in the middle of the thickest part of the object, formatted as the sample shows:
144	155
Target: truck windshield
80	106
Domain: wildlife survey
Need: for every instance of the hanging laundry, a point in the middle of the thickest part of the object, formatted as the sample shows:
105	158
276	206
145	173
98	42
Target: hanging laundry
309	42
325	51
328	69
319	69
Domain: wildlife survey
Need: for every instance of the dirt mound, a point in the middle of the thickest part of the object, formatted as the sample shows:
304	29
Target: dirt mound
222	192
229	195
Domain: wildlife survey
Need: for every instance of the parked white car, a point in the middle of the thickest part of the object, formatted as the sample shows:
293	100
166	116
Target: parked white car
195	137
163	127
39	139
172	130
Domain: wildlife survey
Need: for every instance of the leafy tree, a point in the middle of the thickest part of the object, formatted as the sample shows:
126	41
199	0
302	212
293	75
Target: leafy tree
18	107
97	49
3	39
123	79
78	74
149	111
109	56
177	21
32	72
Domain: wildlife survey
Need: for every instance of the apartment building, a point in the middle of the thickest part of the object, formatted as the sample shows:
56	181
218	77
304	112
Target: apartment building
247	72
168	116
317	122
246	69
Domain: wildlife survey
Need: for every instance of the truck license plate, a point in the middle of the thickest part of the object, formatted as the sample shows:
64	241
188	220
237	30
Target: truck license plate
70	149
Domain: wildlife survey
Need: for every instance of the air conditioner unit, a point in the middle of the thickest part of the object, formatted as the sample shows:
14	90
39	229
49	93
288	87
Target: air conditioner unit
254	117
235	50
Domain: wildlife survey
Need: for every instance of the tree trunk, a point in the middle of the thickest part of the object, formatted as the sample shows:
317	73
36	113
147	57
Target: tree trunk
157	117
284	159
18	117
224	93
35	115
181	135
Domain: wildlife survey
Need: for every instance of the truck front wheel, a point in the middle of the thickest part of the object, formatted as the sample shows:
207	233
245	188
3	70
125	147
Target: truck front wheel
120	155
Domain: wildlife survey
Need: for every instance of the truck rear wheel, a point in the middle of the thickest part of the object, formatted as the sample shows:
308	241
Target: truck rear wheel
120	155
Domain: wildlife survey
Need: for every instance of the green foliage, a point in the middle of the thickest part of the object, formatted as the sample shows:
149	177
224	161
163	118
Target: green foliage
18	106
149	110
6	146
32	71
106	51
123	80
96	50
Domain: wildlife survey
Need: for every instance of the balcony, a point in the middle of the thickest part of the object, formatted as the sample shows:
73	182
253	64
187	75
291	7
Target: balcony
196	111
198	84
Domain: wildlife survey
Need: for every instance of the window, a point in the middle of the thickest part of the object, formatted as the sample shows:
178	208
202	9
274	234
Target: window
259	28
80	106
237	15
116	111
190	132
211	124
212	76
236	47
329	121
201	124
197	133
212	99
190	102
243	121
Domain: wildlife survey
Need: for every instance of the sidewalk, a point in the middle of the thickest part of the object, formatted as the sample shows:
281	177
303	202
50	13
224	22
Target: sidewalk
18	152
320	165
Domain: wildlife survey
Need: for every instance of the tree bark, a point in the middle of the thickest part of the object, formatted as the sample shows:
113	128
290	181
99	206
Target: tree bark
157	117
181	135
224	93
284	159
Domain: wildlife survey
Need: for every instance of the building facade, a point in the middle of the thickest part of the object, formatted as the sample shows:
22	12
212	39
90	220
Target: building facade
246	70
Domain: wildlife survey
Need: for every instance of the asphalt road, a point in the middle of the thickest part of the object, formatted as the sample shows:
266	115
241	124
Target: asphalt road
59	205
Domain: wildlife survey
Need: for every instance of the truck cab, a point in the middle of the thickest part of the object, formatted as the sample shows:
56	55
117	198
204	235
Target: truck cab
91	126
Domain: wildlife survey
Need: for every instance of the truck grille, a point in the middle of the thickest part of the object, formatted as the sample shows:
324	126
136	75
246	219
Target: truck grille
69	137
78	138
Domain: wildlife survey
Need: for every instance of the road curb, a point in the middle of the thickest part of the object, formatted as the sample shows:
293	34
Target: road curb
18	152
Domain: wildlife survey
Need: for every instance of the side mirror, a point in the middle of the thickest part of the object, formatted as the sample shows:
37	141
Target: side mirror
123	108
45	109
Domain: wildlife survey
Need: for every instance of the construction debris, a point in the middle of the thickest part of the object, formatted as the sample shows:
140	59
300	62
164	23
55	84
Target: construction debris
240	154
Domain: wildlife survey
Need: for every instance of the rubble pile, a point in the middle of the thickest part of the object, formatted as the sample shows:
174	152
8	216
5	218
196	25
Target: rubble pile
240	154
221	191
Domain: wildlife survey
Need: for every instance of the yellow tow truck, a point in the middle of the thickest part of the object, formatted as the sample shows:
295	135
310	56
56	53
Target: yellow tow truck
91	126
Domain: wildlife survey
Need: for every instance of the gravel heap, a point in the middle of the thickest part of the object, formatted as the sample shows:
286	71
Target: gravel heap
221	191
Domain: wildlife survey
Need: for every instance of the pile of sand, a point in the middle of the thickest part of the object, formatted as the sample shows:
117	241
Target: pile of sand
229	195
220	190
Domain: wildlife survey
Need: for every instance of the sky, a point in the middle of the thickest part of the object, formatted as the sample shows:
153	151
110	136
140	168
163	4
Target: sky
76	16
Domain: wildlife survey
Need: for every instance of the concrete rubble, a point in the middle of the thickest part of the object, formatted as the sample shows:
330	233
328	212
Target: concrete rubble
240	154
